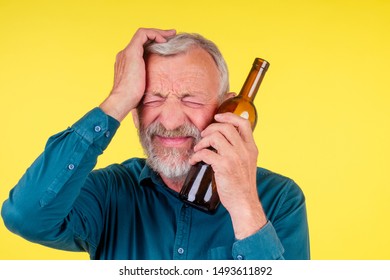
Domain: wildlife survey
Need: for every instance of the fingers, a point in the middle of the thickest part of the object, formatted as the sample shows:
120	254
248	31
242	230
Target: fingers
160	36
130	73
130	65
231	137
219	137
144	35
154	34
231	128
206	155
243	126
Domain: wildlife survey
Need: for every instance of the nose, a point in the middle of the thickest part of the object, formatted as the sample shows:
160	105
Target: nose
172	114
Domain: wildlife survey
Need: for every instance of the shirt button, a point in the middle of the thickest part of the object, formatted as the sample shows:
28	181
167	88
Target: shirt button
240	257
98	128
107	134
180	251
70	166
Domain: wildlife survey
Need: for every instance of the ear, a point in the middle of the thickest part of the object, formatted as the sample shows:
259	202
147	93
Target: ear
135	116
228	95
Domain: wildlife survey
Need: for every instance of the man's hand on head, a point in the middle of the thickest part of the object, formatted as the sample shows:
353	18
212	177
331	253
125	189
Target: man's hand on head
130	73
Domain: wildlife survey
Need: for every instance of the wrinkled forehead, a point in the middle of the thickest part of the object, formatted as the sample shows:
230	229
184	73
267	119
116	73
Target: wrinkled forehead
195	67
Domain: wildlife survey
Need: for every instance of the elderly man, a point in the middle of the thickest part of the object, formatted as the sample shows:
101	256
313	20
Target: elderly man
173	84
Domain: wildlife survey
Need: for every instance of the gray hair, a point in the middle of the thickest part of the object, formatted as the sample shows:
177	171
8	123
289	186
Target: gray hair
183	42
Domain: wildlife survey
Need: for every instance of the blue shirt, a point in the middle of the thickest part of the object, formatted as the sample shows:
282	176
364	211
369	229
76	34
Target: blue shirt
125	211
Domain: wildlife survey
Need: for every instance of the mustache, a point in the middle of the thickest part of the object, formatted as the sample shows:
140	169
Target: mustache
185	130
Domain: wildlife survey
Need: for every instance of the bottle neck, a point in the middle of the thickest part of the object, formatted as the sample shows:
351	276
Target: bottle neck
254	79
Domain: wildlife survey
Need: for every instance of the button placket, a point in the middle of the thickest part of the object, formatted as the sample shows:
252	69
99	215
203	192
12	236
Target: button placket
182	234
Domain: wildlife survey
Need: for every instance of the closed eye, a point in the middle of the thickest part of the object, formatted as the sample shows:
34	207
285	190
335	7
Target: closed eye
153	100
192	102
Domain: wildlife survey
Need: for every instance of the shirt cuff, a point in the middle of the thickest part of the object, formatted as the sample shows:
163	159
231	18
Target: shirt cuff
263	245
97	128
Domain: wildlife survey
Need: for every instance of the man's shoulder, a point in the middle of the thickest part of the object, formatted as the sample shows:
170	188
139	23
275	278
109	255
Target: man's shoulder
132	167
270	181
137	163
264	173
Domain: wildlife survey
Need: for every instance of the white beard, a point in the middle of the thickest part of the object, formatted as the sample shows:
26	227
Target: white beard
169	162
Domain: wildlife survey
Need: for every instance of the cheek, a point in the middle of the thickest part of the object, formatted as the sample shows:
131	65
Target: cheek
202	119
147	116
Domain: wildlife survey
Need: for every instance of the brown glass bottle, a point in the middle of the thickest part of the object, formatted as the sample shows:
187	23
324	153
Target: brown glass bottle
199	188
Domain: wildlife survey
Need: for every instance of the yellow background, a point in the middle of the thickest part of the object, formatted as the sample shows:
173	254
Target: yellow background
324	104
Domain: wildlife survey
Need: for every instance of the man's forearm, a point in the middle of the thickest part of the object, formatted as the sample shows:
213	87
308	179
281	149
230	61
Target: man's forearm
45	194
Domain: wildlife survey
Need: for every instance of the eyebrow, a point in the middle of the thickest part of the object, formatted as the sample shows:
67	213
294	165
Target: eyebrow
180	95
187	94
153	93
